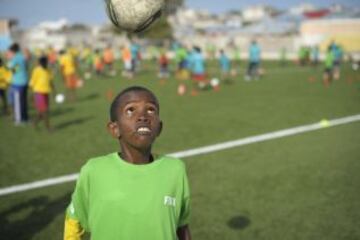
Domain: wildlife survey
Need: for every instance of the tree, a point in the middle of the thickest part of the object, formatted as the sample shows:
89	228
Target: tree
172	5
160	30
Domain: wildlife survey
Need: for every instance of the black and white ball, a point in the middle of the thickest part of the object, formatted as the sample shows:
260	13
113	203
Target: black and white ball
134	15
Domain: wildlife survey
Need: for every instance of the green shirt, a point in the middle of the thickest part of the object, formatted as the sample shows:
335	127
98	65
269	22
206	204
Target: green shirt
114	199
329	60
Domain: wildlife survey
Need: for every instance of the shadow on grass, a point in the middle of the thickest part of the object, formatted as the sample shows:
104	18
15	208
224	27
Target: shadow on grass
238	222
72	122
24	220
60	111
88	97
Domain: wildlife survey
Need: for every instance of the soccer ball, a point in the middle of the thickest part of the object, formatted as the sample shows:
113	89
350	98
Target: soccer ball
134	15
59	98
214	82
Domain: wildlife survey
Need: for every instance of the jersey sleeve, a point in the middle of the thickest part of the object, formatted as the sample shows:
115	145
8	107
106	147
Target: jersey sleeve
79	206
72	230
185	203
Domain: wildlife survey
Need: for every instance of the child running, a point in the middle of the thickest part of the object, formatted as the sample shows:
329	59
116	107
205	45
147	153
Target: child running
42	85
131	193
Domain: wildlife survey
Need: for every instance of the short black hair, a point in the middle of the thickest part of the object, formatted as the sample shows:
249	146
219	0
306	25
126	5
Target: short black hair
43	61
197	49
116	102
14	47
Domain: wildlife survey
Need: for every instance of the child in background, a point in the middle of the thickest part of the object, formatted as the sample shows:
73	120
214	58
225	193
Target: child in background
315	55
52	58
135	57
338	55
68	72
225	65
98	62
180	57
87	58
127	60
131	193
197	65
5	77
42	85
109	59
163	65
254	61
19	84
329	64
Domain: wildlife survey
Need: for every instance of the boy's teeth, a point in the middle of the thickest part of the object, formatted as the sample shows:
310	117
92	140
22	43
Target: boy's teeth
143	129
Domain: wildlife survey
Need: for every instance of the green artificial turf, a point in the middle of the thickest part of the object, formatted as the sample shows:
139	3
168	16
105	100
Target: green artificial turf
300	187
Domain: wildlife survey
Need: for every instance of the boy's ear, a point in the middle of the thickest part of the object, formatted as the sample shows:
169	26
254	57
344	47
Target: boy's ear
113	129
160	128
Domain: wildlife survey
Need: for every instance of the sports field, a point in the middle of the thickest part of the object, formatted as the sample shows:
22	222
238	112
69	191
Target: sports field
304	186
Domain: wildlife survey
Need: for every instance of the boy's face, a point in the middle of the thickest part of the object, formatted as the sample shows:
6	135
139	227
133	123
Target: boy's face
138	123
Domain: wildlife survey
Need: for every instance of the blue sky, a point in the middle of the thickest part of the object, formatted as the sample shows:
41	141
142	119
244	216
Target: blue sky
31	12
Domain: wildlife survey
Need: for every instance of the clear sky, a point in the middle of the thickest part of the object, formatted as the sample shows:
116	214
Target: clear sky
31	12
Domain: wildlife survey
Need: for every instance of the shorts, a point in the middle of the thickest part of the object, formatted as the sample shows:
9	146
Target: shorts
198	77
127	64
164	68
328	71
41	102
71	81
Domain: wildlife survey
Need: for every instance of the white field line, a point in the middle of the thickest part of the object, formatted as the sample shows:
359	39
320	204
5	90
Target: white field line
197	151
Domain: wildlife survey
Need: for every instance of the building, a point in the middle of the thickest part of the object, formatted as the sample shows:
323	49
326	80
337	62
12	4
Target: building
257	13
344	31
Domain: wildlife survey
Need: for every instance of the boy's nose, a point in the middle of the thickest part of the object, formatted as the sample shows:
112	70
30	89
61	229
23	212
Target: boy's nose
143	118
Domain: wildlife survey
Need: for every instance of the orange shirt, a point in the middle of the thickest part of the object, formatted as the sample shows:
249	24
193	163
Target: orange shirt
126	54
108	55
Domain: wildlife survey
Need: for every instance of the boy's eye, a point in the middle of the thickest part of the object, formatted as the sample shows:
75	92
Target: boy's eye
129	110
151	110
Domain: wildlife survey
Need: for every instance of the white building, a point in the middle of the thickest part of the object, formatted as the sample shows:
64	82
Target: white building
44	35
345	32
302	8
256	13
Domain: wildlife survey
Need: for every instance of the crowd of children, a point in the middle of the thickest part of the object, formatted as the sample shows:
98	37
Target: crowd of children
183	62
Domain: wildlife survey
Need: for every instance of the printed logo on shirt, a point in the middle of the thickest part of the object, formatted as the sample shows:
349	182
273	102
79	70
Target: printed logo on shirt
72	209
169	201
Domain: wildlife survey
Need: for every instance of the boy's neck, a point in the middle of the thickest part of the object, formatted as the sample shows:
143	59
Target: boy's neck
135	156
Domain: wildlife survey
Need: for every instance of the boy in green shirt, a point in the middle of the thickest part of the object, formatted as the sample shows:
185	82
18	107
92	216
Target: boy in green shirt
329	65
131	194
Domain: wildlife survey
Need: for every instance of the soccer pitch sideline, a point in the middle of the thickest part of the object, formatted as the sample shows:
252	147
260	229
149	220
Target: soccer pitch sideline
299	187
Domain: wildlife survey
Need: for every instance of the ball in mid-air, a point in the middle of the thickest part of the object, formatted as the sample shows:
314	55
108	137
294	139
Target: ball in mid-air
134	15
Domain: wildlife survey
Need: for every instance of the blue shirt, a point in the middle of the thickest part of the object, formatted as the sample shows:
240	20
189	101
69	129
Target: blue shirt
197	63
337	51
134	51
254	53
18	65
224	62
315	53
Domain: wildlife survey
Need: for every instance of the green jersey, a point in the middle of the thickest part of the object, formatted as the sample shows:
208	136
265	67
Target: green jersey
329	60
114	199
